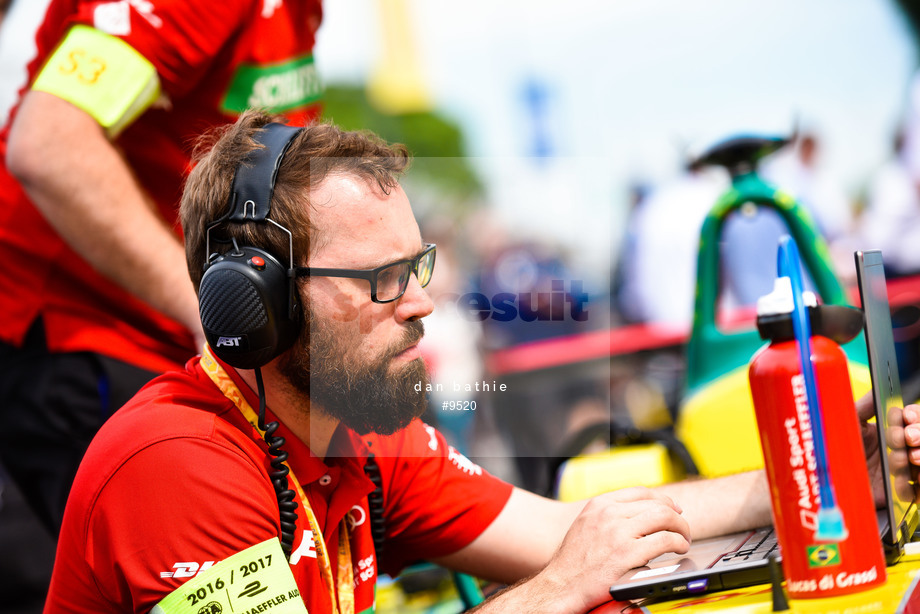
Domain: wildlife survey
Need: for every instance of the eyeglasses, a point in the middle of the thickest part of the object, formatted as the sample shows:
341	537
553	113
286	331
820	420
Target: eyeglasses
388	282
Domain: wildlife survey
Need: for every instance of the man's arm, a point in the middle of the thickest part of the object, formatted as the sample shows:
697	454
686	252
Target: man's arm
570	553
559	549
87	192
718	506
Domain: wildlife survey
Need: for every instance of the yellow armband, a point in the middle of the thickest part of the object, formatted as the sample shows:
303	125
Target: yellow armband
101	74
255	579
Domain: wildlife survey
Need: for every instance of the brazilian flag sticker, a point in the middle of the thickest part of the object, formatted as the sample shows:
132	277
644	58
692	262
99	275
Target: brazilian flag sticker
823	555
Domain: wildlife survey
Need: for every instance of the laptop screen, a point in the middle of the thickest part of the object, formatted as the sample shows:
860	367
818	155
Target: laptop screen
886	392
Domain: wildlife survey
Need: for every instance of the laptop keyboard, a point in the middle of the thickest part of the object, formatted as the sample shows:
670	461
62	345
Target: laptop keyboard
758	546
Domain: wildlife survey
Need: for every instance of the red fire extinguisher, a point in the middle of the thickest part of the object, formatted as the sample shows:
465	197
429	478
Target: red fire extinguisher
814	566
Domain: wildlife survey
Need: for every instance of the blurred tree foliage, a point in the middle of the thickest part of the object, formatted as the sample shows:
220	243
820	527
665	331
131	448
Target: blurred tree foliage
436	144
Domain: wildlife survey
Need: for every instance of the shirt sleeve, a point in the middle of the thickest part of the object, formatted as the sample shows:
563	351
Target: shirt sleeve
436	501
181	38
172	509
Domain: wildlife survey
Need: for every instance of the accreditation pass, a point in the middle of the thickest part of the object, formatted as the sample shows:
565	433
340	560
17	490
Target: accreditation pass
255	580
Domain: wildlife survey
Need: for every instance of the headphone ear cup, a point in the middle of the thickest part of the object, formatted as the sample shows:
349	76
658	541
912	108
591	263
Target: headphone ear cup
245	308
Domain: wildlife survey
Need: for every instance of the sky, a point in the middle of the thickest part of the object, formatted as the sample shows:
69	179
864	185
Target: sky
17	46
627	89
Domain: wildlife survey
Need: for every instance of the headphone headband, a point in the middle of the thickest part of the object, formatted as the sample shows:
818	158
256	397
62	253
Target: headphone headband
254	180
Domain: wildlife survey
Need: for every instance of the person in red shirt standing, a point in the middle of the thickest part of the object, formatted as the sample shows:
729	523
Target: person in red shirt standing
95	297
286	467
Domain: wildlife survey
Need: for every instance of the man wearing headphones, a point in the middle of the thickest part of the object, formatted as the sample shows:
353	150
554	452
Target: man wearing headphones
285	468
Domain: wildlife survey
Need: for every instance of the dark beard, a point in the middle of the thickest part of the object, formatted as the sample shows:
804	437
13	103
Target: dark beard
367	398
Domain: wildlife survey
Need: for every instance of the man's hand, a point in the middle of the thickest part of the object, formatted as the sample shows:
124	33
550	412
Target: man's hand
614	533
865	409
911	434
911	417
902	434
607	536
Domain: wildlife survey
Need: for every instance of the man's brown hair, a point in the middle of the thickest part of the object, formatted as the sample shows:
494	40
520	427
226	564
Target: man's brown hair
315	153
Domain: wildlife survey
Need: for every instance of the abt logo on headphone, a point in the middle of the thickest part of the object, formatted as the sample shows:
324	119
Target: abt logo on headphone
229	342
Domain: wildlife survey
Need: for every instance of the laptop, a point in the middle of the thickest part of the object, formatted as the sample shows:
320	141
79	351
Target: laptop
742	559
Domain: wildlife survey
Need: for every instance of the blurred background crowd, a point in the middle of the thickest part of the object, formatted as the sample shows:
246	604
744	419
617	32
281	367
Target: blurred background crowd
553	145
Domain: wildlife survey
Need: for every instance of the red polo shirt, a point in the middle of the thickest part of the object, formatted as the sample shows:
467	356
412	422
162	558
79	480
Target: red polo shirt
178	480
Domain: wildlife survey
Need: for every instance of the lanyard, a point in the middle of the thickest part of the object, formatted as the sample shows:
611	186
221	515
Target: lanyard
345	573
